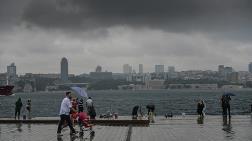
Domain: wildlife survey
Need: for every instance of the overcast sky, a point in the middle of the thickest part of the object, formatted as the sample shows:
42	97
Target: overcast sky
187	34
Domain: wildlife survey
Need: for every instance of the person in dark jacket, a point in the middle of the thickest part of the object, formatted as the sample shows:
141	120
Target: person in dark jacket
18	107
80	106
28	108
227	99
134	112
223	106
92	113
200	107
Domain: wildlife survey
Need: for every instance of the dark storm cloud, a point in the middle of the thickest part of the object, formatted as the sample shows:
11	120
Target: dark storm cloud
173	15
11	12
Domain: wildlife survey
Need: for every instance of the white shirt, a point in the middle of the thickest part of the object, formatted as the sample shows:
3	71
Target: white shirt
65	106
89	102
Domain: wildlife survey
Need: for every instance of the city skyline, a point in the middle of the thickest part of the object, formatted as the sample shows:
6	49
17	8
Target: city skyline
129	68
188	34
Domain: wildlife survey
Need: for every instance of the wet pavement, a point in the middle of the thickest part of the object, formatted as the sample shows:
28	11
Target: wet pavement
188	128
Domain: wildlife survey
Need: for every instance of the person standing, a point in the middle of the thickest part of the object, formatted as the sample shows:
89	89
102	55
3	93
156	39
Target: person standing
65	108
92	113
223	106
80	106
228	98
151	109
74	112
18	107
89	104
200	107
28	108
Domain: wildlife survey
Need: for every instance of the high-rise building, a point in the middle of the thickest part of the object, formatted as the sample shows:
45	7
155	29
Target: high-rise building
11	73
127	68
171	69
250	67
98	69
140	68
64	69
159	68
221	69
11	70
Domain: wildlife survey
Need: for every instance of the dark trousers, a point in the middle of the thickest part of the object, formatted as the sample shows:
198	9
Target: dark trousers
17	113
228	110
69	123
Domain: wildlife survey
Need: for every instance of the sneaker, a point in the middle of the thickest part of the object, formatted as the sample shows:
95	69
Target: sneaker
59	134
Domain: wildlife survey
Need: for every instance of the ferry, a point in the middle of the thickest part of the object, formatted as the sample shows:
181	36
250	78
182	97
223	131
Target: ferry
6	90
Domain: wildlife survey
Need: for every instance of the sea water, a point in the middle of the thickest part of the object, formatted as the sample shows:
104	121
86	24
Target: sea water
122	102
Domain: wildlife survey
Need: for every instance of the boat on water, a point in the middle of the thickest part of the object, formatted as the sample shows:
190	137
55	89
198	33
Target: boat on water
6	90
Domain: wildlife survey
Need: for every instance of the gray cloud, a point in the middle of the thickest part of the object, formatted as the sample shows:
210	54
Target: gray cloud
174	15
189	34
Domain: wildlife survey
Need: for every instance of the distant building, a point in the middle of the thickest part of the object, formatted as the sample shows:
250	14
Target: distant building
159	68
101	75
171	73
3	79
141	68
204	86
127	69
28	88
171	69
11	73
64	69
155	84
119	76
98	69
227	72
250	67
233	77
227	87
221	69
49	75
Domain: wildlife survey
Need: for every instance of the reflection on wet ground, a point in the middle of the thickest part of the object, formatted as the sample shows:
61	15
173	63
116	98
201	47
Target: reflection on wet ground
227	127
200	120
189	128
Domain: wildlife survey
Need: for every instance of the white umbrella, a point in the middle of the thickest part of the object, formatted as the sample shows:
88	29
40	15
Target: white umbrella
80	91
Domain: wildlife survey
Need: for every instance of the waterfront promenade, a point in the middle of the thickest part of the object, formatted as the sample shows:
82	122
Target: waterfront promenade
188	128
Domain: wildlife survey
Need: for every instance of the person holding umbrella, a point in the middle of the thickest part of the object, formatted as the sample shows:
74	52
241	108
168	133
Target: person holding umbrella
226	103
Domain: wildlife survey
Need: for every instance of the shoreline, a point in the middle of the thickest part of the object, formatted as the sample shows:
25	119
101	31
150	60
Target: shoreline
151	90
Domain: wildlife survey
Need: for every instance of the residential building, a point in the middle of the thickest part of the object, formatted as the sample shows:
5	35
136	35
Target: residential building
159	68
127	69
141	68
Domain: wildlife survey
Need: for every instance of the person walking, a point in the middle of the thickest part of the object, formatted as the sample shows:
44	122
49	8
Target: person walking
65	108
18	107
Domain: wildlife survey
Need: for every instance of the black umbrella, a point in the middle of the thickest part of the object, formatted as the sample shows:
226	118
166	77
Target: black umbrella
228	94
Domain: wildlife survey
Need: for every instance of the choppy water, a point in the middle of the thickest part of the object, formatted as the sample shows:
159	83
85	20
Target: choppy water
122	102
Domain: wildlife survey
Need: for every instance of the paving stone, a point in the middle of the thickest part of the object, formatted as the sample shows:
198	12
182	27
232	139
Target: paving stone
186	128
